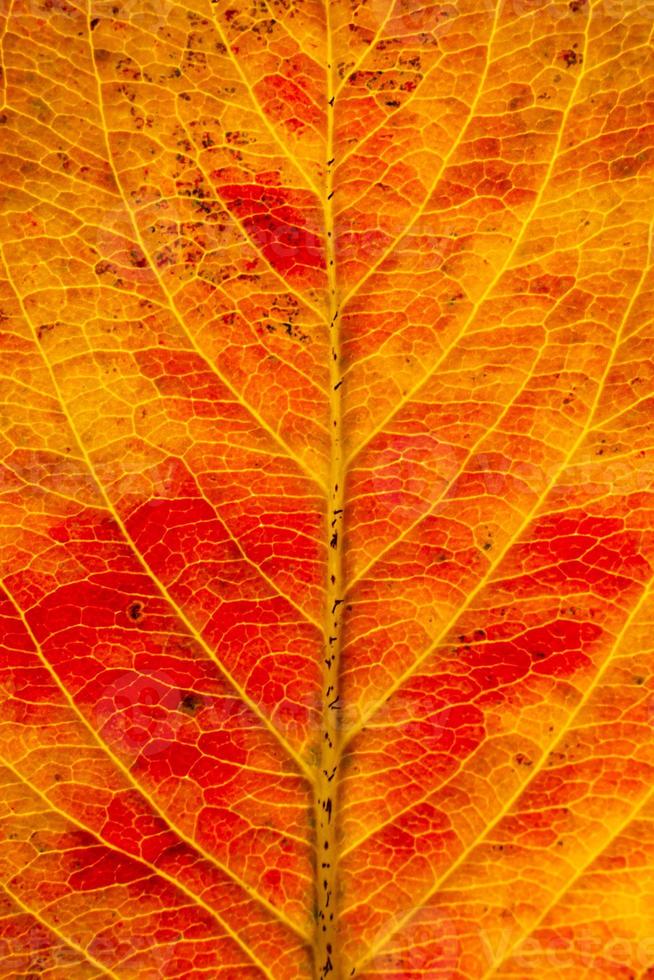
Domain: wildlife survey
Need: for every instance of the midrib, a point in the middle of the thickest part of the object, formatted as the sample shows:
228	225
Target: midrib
326	953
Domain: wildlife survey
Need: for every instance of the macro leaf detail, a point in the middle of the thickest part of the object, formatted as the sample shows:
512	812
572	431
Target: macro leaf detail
326	489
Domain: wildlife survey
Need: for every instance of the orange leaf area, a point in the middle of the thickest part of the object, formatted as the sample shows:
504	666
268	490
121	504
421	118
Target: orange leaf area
326	490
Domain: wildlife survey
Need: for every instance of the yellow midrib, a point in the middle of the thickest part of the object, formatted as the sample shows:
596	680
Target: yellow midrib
326	952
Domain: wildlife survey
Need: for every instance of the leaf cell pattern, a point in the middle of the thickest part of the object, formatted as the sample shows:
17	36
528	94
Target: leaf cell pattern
327	507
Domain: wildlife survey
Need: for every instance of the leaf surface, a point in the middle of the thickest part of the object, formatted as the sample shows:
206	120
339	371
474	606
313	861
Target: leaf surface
326	492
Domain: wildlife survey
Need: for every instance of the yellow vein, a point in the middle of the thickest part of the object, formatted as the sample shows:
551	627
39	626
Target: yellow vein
197	900
412	804
472	595
369	49
293	160
193	631
159	584
469	761
573	881
240	225
120	765
277	591
533	773
452	480
361	144
440	170
3	67
449	483
71	944
500	272
290	33
286	449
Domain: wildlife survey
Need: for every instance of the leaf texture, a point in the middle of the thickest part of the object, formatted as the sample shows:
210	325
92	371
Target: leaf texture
326	495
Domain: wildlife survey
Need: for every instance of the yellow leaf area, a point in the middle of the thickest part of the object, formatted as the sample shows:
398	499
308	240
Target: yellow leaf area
327	490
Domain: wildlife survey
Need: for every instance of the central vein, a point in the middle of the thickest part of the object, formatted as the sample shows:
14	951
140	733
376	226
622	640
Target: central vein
325	947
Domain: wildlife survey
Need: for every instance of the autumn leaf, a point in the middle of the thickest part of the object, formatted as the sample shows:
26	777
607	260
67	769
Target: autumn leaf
327	489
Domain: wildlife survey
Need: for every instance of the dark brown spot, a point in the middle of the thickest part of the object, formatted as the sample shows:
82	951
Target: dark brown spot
135	610
191	703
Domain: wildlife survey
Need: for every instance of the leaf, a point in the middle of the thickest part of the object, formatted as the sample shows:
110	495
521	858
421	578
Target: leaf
327	490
